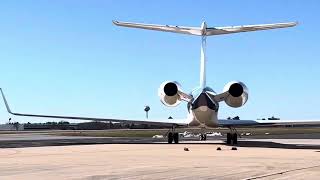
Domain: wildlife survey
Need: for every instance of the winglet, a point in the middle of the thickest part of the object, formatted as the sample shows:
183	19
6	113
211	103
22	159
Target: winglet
5	102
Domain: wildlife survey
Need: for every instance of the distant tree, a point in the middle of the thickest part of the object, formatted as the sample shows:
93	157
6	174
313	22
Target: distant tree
131	126
110	124
229	118
170	117
63	123
51	123
127	125
273	118
145	126
236	118
16	125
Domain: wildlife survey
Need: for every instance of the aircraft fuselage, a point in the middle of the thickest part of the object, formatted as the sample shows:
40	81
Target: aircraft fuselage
203	110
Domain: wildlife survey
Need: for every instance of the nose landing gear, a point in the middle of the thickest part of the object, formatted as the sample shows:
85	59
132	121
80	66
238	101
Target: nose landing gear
203	134
203	137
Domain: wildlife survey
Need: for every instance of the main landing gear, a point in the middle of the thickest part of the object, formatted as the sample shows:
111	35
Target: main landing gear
232	137
203	134
173	136
203	137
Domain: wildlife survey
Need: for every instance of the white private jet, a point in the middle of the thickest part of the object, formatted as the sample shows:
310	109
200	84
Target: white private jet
203	102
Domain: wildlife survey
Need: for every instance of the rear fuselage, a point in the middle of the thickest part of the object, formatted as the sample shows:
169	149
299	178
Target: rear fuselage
203	109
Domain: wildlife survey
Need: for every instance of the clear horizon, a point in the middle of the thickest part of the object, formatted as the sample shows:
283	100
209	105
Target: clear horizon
67	58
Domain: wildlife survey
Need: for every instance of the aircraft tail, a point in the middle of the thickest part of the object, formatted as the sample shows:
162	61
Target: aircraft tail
205	31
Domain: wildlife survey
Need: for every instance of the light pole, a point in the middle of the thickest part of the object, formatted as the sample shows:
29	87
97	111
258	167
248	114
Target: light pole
147	109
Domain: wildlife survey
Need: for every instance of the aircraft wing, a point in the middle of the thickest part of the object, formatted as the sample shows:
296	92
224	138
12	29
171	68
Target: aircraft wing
149	122
246	28
221	122
166	28
248	123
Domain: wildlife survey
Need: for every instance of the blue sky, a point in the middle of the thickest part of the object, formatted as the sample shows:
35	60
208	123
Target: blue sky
66	57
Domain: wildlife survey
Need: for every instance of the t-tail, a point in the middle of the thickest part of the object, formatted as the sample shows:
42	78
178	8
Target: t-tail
205	31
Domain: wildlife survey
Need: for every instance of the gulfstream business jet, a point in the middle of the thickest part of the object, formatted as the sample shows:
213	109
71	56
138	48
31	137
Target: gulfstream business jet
203	102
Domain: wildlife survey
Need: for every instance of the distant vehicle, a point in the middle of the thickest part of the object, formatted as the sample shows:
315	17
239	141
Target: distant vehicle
202	102
157	136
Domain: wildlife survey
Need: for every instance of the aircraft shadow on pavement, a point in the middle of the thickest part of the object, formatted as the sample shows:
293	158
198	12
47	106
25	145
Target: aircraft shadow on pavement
246	143
268	144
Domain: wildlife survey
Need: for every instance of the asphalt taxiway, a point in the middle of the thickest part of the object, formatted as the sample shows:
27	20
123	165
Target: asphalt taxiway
147	158
38	140
158	161
291	141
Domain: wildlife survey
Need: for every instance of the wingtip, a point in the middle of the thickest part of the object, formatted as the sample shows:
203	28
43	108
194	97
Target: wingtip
115	22
5	102
295	23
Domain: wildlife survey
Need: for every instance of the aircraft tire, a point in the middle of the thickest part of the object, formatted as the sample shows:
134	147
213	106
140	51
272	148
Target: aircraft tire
170	137
176	138
235	138
228	138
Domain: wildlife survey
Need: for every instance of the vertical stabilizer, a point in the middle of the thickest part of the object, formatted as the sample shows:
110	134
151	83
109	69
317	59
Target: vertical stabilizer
203	55
203	63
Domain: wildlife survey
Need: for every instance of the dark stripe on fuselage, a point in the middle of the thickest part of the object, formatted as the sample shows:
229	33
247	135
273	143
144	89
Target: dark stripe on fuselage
204	100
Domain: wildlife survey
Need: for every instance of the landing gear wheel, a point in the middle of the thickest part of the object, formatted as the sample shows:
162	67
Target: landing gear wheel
170	137
203	137
176	138
235	138
228	138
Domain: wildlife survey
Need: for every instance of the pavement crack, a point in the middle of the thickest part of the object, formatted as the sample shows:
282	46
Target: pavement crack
281	172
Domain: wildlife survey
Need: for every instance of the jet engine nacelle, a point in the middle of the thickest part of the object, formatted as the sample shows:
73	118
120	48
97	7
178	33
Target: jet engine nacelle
238	94
168	93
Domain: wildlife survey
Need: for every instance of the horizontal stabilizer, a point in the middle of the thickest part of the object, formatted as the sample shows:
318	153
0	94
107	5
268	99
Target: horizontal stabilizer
204	30
166	28
246	28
